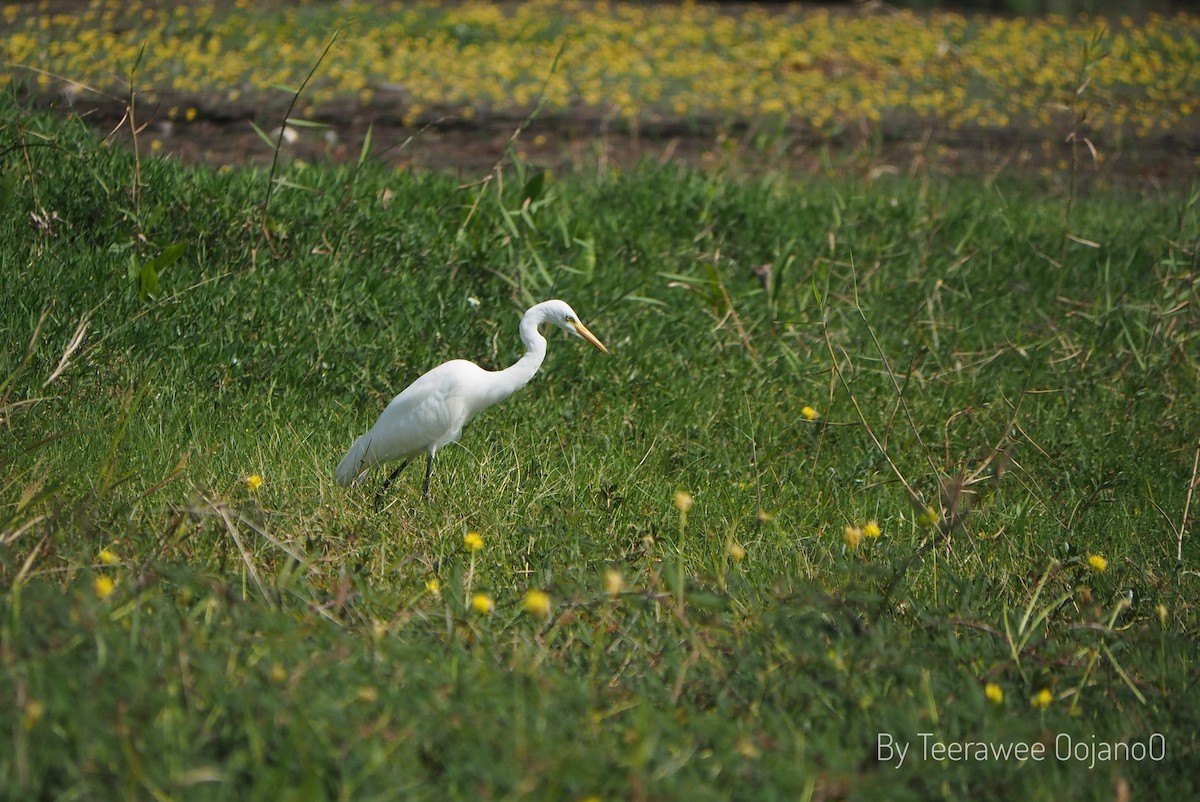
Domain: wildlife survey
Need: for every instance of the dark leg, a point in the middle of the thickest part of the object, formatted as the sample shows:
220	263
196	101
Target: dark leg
388	483
428	471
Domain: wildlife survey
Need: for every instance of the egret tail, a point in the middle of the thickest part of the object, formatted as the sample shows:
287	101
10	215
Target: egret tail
354	463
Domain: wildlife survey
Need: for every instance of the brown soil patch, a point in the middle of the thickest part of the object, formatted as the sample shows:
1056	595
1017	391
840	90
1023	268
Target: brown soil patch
586	140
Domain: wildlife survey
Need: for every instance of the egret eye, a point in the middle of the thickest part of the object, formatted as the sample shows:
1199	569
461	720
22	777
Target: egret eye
569	319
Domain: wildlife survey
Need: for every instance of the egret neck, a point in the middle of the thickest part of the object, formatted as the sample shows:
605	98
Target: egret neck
503	383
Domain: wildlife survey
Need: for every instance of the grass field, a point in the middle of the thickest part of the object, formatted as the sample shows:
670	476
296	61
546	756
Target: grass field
873	462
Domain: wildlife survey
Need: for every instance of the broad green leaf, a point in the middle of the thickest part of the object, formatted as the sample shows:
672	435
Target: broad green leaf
148	281
534	187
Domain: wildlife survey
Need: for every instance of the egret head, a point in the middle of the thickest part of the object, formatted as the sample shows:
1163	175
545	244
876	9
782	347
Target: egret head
561	314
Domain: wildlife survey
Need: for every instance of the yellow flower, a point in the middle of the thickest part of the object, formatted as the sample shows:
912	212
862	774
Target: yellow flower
871	529
737	552
103	586
1162	614
1042	699
614	583
1098	563
190	114
482	603
253	482
473	541
839	662
809	413
994	693
107	556
929	517
278	673
34	710
683	501
853	536
537	602
433	585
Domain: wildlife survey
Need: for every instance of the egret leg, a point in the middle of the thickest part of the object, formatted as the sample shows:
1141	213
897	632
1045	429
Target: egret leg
388	483
428	471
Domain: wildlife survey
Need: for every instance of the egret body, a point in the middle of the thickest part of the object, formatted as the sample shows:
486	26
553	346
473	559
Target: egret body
432	411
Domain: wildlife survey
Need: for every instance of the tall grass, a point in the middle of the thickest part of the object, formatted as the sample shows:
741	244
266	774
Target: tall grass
1019	427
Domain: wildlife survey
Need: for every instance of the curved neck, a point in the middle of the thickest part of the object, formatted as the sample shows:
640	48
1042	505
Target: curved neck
521	371
505	382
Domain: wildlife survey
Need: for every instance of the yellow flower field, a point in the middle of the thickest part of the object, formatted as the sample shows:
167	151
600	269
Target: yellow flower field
817	68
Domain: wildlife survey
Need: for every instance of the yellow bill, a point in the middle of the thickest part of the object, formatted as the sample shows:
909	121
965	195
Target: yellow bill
583	332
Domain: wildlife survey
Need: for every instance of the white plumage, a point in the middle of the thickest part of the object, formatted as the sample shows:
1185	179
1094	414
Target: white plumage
432	411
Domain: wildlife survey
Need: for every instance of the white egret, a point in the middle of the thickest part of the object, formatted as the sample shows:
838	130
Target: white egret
432	411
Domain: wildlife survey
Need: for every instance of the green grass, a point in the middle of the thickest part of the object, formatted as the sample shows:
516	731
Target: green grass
285	643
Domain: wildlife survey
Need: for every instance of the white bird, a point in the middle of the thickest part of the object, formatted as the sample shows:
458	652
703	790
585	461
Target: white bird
432	411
